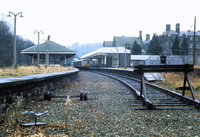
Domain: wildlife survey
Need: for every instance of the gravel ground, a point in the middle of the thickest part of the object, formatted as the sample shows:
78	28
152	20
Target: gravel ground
107	112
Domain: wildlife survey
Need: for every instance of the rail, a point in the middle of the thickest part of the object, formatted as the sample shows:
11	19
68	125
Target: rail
142	92
162	96
167	68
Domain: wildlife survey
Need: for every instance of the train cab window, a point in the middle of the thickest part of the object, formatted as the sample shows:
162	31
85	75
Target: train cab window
85	62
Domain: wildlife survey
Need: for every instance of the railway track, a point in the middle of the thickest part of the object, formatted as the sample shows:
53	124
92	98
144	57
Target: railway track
156	98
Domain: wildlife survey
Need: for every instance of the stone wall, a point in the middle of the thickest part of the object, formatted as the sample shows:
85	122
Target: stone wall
27	90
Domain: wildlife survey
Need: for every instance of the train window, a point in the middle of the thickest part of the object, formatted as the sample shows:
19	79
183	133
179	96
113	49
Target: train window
85	62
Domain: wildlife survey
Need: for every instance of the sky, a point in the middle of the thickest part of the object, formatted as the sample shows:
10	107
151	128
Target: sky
92	21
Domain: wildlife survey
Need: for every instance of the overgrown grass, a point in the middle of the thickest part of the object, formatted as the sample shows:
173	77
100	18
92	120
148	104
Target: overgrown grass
30	70
174	80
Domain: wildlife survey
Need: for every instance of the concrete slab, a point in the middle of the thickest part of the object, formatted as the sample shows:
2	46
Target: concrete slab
158	76
149	77
153	77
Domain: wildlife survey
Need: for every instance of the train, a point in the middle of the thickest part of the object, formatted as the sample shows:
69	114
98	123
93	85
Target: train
82	64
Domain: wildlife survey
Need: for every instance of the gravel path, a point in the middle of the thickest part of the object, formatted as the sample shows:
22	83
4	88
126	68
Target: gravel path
107	112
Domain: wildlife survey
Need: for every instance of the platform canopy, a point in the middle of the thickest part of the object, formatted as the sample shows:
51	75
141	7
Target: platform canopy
104	51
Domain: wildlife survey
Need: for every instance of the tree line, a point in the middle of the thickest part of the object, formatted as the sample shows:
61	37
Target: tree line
177	50
7	44
156	49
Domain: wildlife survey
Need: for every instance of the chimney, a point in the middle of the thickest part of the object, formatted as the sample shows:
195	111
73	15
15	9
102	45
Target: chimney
168	27
147	36
178	28
140	34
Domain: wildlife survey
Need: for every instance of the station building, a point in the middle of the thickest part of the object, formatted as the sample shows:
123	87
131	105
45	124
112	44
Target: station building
114	53
57	54
109	57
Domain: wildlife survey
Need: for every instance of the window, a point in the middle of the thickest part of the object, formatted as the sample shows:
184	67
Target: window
85	62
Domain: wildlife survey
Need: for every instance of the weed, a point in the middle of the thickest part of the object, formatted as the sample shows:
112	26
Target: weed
174	80
30	70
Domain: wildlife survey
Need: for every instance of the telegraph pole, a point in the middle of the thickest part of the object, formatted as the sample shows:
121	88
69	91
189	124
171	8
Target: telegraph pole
194	45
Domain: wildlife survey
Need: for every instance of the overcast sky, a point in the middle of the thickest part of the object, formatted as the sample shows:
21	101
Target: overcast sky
89	21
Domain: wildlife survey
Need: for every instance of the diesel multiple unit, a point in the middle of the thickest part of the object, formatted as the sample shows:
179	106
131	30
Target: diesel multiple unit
85	63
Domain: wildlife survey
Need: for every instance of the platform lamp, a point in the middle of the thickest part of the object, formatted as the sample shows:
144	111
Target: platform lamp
14	50
38	55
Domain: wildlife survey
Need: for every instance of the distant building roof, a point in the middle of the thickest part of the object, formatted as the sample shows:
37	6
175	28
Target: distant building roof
147	41
186	33
170	32
121	41
54	48
107	44
106	50
189	33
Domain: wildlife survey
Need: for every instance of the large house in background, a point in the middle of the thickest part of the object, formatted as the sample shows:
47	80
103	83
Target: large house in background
57	53
168	37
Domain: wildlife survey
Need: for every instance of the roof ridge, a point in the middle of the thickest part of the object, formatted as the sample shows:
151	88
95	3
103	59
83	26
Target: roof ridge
53	47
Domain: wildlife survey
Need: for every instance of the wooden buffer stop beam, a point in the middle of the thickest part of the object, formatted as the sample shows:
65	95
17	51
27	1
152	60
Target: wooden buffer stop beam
48	96
167	68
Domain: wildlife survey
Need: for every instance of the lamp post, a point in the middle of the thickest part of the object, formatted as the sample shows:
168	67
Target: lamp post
14	51
38	55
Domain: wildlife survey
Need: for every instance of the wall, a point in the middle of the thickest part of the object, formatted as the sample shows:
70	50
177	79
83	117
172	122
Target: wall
155	59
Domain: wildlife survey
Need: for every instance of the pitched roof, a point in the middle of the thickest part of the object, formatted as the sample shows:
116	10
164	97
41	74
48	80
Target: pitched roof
147	41
107	44
121	41
170	32
53	48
